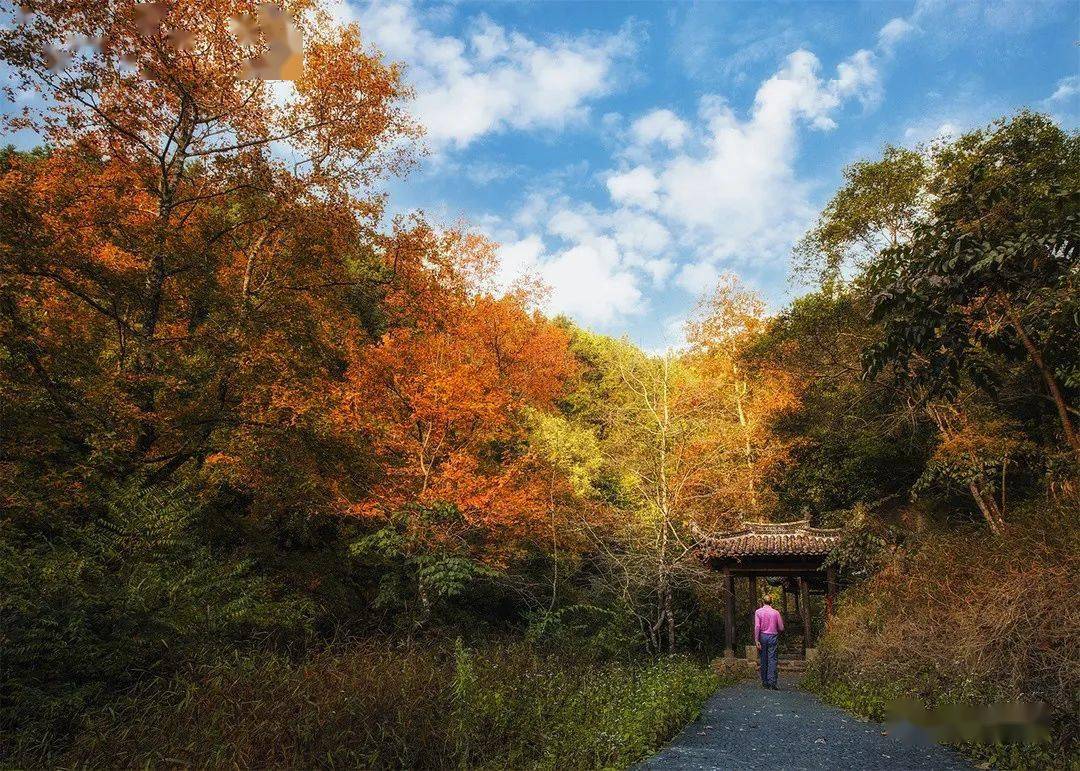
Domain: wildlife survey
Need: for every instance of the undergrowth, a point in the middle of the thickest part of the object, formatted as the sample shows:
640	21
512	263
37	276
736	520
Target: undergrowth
374	706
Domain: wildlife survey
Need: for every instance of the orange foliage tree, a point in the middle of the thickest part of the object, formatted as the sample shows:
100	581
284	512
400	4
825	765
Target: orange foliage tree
192	278
443	394
180	275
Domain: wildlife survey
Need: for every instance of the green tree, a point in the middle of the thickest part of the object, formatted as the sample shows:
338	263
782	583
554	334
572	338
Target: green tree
992	271
878	205
650	417
851	439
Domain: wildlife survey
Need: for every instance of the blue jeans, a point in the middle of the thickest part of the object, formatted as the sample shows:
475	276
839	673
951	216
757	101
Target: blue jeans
767	659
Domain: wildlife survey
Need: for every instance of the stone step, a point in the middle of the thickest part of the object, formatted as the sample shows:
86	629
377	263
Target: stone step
785	662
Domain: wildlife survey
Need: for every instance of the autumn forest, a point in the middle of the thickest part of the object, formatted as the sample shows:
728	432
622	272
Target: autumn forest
286	481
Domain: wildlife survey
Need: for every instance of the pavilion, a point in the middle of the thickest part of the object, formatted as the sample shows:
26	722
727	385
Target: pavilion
793	552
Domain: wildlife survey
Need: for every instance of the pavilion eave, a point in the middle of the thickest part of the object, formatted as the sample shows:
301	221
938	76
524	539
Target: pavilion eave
774	542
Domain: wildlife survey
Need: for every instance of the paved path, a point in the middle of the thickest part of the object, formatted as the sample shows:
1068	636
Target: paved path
748	727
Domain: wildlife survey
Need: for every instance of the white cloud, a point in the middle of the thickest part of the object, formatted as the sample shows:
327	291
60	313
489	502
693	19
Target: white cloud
587	281
662	126
489	40
494	80
572	225
1067	89
1064	103
893	32
639	233
858	75
636	187
735	196
594	263
484	173
698	277
659	269
518	259
943	22
722	188
932	131
797	90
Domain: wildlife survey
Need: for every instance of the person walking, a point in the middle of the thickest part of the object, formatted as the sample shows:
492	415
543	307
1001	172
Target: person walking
768	624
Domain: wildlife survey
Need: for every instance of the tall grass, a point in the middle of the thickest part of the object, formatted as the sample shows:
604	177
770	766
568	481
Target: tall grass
367	705
968	619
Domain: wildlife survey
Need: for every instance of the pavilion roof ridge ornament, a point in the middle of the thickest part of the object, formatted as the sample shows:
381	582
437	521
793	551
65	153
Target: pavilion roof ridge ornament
797	527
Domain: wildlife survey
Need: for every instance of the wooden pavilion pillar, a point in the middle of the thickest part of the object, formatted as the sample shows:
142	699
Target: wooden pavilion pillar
729	613
752	621
804	611
830	591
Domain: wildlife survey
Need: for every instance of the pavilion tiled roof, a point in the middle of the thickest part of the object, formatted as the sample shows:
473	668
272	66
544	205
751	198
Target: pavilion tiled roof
780	539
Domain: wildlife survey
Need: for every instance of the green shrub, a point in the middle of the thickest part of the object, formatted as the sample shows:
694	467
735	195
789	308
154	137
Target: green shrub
129	593
554	715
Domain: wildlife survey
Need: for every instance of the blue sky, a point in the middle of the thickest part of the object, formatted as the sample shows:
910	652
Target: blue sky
628	153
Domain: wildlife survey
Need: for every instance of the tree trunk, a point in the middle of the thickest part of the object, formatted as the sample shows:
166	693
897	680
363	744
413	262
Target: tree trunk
172	171
830	591
740	390
1048	377
804	611
729	613
665	505
554	543
989	508
670	621
986	503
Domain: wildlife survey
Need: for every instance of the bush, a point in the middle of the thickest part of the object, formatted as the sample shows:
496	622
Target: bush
966	619
130	592
368	705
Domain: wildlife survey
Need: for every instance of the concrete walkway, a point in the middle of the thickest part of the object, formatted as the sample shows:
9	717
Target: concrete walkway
747	727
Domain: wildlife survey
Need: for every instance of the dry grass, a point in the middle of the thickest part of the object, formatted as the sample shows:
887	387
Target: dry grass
967	618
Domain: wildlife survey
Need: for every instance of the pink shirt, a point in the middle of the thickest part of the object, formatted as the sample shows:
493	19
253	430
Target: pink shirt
767	620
